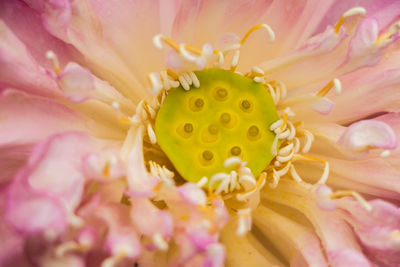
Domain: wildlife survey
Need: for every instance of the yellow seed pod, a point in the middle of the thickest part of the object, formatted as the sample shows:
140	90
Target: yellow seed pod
228	115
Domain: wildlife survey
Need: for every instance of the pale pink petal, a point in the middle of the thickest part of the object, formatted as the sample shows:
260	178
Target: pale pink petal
56	167
377	229
12	158
347	257
76	82
323	106
26	24
192	194
11	249
77	23
40	117
367	134
139	180
31	212
291	237
149	220
364	37
19	68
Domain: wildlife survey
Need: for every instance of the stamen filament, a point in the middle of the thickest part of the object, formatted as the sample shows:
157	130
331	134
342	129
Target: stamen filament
335	83
357	196
351	12
270	32
325	174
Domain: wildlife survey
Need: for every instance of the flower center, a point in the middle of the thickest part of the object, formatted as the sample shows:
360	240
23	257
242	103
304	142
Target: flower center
227	115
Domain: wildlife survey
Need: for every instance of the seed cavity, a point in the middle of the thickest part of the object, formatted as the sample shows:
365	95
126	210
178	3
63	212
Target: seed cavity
253	133
245	105
185	130
225	118
235	151
199	103
207	155
188	127
213	129
221	94
196	104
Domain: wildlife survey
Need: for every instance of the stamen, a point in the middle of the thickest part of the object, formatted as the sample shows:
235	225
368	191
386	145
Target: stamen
151	134
195	80
244	223
357	196
202	182
155	82
70	246
260	183
231	161
184	83
235	60
351	12
157	41
113	260
160	243
186	54
385	37
220	61
385	153
335	83
325	174
54	59
270	32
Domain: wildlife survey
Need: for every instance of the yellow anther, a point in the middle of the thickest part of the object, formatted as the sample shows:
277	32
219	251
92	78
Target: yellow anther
172	74
271	34
351	12
335	83
170	42
192	49
325	174
394	29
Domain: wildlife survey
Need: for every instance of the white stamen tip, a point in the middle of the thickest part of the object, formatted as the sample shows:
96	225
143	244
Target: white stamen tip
202	182
338	86
160	242
157	41
151	134
115	106
385	153
231	161
355	11
271	33
50	54
235	60
186	54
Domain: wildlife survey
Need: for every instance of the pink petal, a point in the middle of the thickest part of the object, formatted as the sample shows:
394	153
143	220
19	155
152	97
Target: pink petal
19	69
60	156
377	229
367	134
192	194
22	113
139	180
32	212
12	158
364	37
26	25
347	257
76	82
323	106
149	220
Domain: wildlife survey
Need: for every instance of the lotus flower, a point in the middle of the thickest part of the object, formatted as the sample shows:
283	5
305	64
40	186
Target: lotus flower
199	133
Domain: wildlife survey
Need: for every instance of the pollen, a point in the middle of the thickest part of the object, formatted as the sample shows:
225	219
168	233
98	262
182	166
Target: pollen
227	115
